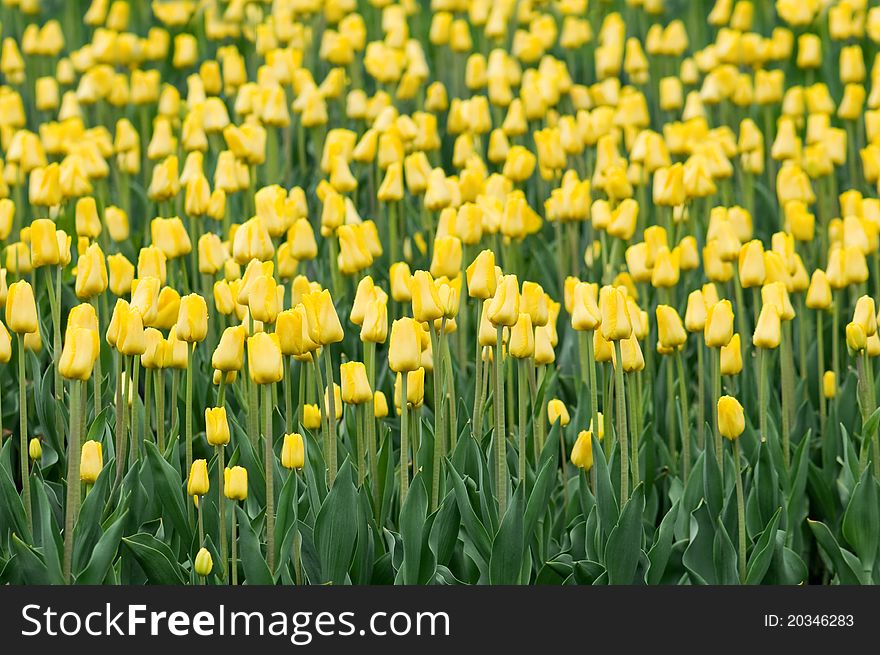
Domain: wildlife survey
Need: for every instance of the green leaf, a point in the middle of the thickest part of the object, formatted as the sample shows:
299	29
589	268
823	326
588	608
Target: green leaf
336	528
846	573
658	556
861	523
762	554
474	528
606	501
256	571
698	556
30	563
539	499
169	490
105	551
412	524
505	565
155	558
625	541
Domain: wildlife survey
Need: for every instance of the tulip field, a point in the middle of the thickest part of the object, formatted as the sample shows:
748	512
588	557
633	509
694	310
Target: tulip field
545	292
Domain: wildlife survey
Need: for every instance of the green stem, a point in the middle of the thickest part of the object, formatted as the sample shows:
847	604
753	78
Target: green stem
500	436
701	395
72	477
269	469
189	412
740	512
621	426
233	562
685	421
404	440
820	371
522	405
23	437
331	418
288	400
221	508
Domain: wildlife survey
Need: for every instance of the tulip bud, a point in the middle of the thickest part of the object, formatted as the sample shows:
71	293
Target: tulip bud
198	483
293	451
21	308
865	315
400	279
35	450
522	338
503	308
311	417
616	322
374	328
235	483
719	324
415	388
355	386
216	426
229	353
731	418
323	321
767	330
556	411
192	321
204	564
731	357
78	354
856	339
91	462
265	364
44	244
670	330
425	301
404	351
829	384
91	273
582	453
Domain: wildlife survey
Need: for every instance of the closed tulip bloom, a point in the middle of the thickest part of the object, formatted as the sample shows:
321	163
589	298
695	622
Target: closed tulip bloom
446	260
235	483
78	354
168	309
355	386
21	308
522	338
229	353
192	321
263	299
865	315
776	294
216	426
401	281
670	331
829	384
91	273
616	322
35	450
533	301
819	291
582	453
731	357
380	405
204	563
212	254
719	324
265	364
425	300
374	328
121	274
5	345
404	351
556	411
751	264
91	462
154	354
731	418
631	354
481	278
767	330
544	353
311	416
585	312
415	388
503	309
293	451
323	321
364	294
44	245
856	339
695	315
198	483
145	298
